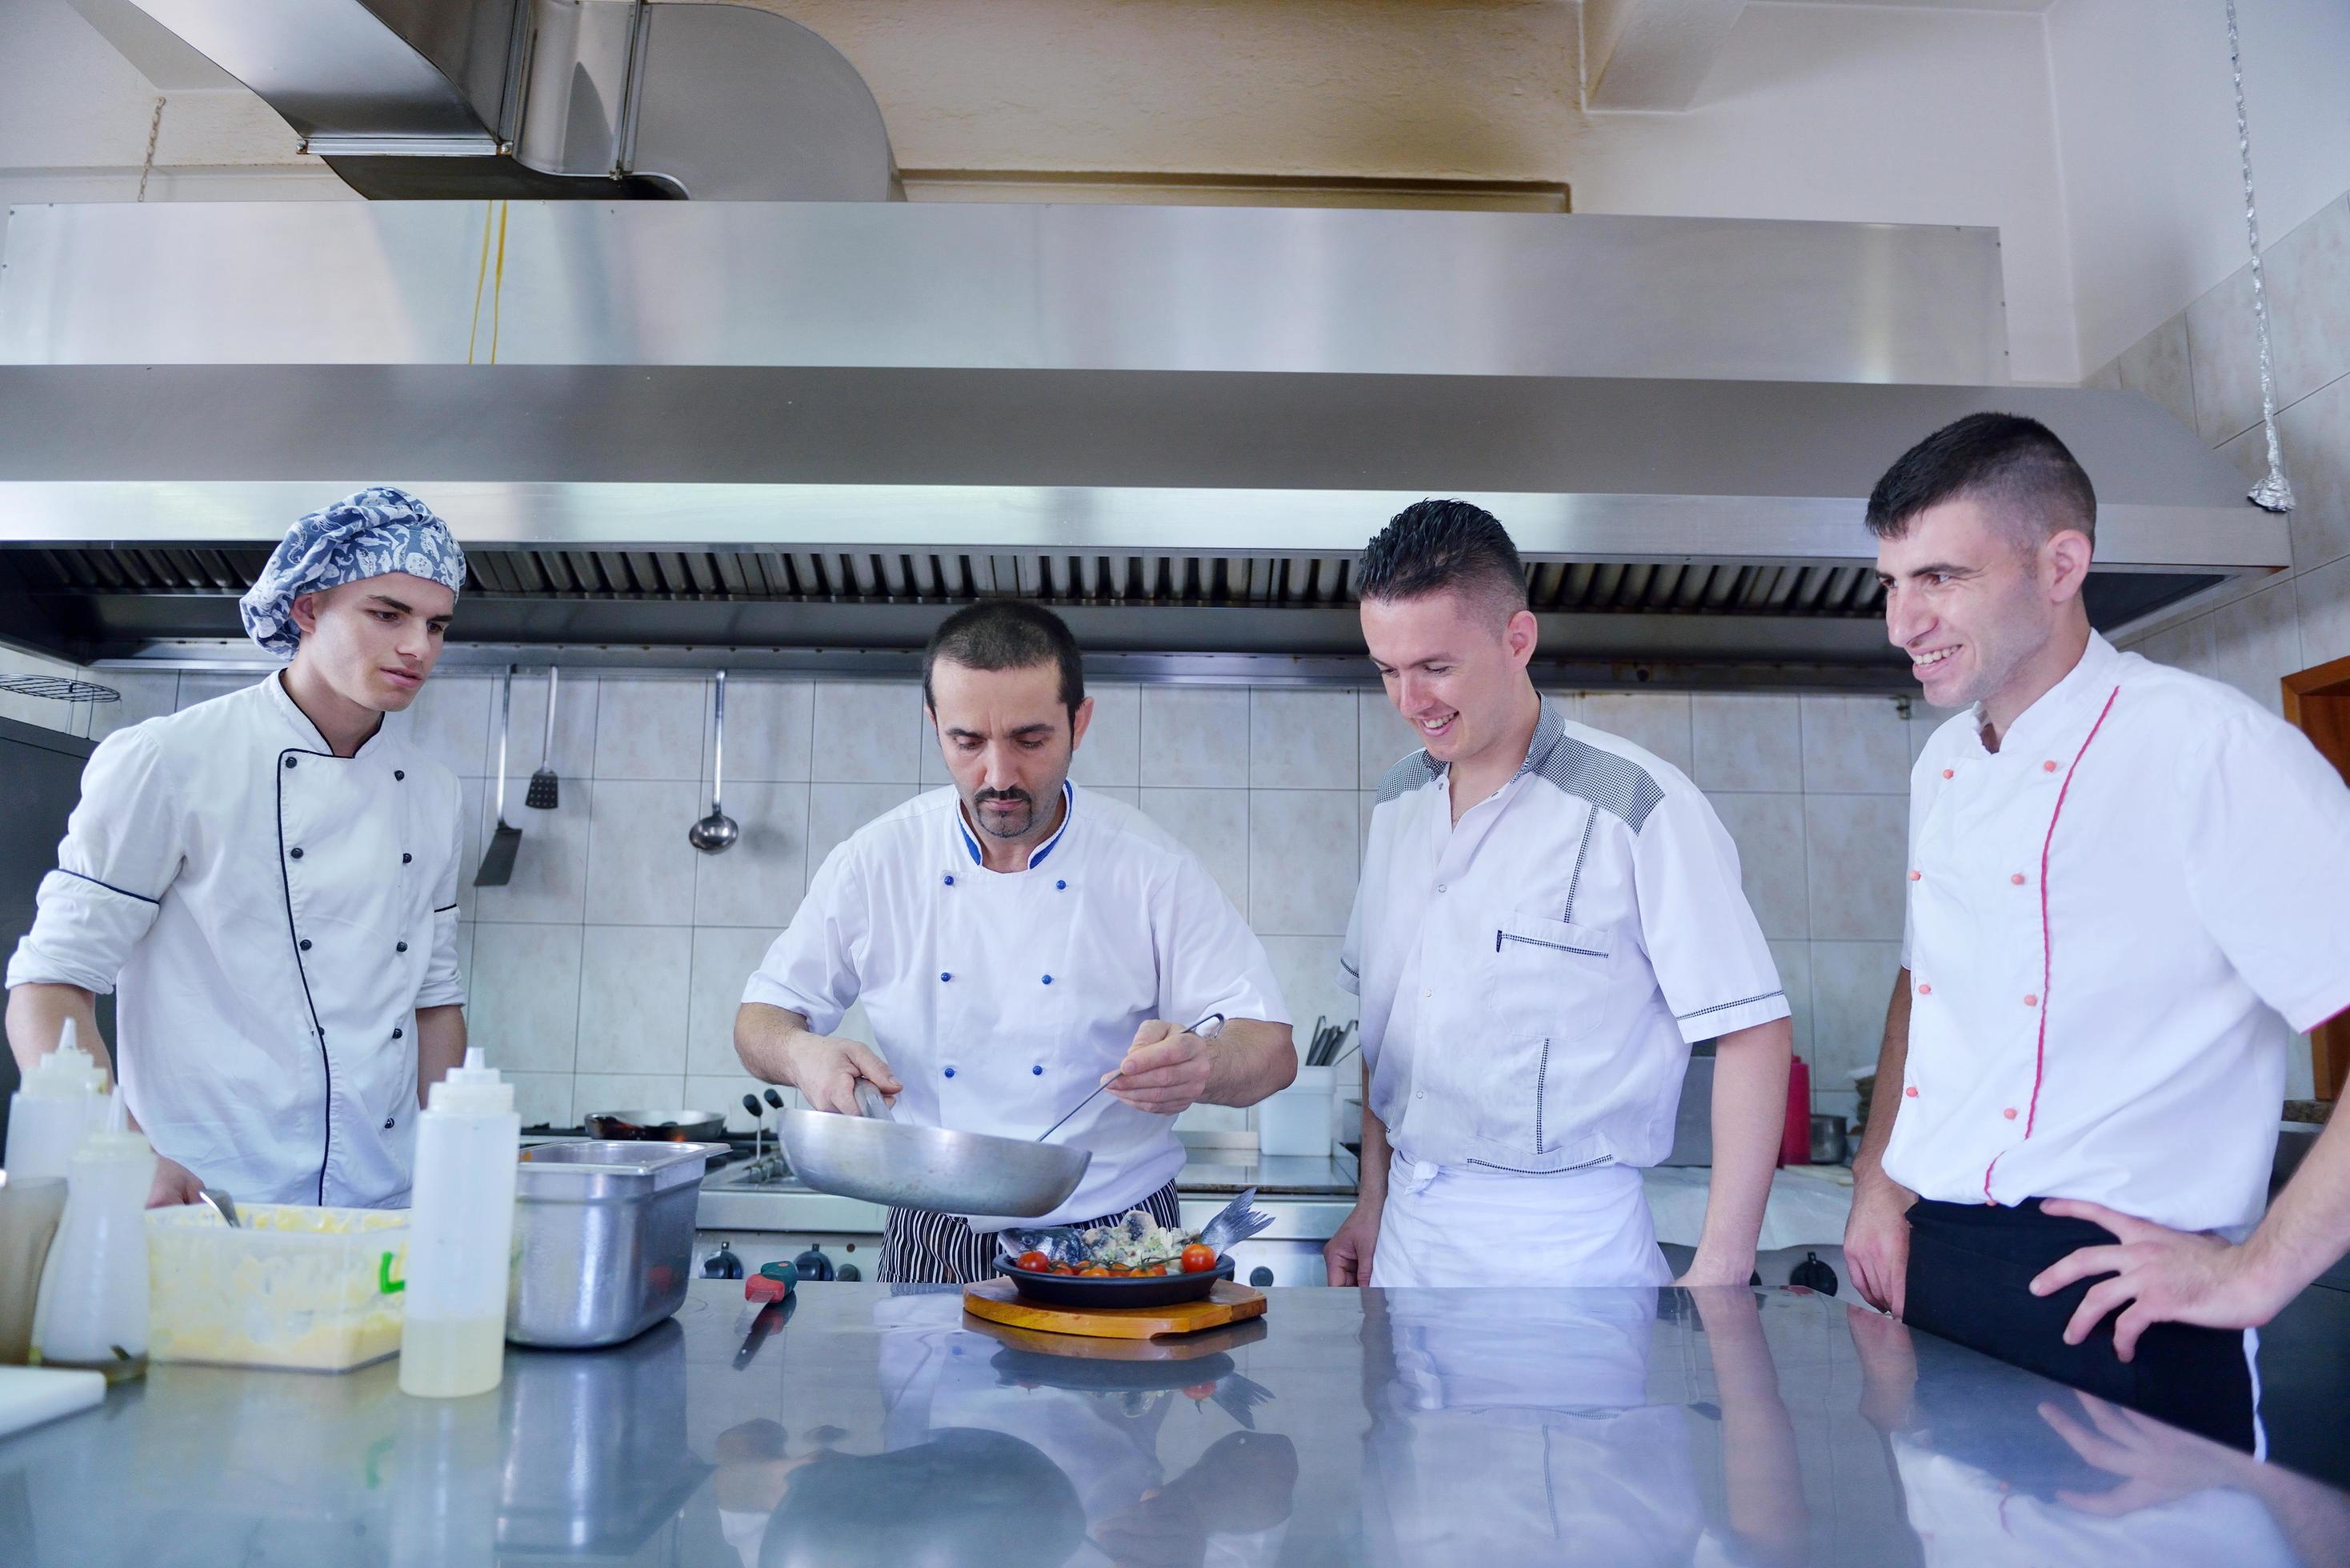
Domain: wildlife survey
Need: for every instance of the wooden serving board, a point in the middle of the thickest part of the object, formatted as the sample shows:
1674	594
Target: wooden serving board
999	1300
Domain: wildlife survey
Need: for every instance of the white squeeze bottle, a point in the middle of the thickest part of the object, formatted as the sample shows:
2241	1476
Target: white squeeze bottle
92	1309
63	1100
452	1337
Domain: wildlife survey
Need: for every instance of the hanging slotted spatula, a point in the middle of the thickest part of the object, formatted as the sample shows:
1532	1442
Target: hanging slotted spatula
543	784
498	860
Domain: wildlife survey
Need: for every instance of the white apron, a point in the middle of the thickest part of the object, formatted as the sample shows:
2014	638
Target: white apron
1446	1225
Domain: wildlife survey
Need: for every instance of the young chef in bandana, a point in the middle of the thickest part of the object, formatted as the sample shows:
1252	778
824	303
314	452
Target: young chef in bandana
269	883
1549	918
1015	939
2125	894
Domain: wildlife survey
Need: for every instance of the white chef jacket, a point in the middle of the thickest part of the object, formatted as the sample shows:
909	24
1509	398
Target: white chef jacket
1001	998
271	916
2116	921
1533	977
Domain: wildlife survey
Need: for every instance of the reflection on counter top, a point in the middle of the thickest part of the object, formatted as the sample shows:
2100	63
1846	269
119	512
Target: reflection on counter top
858	1424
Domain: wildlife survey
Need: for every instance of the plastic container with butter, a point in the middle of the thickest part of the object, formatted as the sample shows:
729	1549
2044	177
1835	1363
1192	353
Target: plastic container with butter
304	1289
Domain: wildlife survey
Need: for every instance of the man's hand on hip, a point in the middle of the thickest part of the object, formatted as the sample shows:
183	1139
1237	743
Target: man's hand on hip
2163	1275
1346	1256
1165	1070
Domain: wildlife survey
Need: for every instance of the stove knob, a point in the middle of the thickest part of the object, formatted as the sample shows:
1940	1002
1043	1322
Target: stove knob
722	1264
847	1274
813	1265
1260	1276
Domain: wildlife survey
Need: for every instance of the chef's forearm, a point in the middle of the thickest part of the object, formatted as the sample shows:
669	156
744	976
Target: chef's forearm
763	1039
1892	1062
37	1011
1371	1170
1749	1113
440	1045
2308	1226
1248	1059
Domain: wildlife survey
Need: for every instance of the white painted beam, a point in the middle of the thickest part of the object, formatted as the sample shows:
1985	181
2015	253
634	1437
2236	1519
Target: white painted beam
1652	54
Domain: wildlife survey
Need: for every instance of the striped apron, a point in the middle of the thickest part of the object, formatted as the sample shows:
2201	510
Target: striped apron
918	1247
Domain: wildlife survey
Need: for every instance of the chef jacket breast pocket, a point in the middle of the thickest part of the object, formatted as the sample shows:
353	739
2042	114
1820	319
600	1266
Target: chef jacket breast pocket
1549	977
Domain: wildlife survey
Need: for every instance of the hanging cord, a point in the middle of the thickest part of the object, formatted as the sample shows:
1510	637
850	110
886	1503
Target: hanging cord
2273	492
154	130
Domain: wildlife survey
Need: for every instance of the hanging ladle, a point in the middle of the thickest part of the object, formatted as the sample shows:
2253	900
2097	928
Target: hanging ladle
716	833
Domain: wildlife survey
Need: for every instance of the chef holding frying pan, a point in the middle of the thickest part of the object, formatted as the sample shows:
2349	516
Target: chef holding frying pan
1015	939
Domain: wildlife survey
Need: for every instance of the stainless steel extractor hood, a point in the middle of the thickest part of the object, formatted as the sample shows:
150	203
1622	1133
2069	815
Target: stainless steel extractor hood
1177	427
441	99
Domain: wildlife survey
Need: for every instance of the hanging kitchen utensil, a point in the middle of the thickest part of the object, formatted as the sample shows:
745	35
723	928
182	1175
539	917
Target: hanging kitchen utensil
498	859
543	784
716	834
1208	1028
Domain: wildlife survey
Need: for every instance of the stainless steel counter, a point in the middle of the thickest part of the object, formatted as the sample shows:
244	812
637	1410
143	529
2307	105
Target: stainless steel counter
1438	1426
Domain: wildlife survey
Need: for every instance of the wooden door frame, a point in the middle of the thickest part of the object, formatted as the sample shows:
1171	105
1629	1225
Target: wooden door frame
2317	703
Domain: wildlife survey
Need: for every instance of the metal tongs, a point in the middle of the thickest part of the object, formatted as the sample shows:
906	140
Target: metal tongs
1208	1028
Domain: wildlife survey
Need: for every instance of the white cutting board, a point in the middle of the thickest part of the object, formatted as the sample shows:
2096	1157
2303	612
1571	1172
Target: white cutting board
32	1394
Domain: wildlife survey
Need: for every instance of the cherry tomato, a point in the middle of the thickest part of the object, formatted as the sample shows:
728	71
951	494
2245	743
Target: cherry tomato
1200	1391
1063	1268
1157	1271
1035	1263
1198	1259
1094	1268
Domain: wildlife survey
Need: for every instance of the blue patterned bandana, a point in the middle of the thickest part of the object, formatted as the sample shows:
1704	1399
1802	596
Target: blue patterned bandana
378	531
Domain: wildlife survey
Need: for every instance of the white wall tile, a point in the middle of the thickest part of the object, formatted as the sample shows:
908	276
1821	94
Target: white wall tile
1851	983
449	723
633	985
724	959
465	955
2308	277
195	687
838	810
50	713
525	1011
1858	851
593	1094
542	1099
146	694
1383	738
869	731
2256	642
1306	969
647	728
1854	745
760	879
1769	832
1213	824
550	868
2156	365
1302	740
1128	795
1658	721
2315	435
930	761
640	869
2187	646
1746	742
1195	736
1212	1118
1795	963
2324	596
2225	357
573	756
1111	755
770	729
1302	861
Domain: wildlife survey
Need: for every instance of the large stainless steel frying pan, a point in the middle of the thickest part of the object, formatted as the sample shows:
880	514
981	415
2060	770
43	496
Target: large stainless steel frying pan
881	1160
